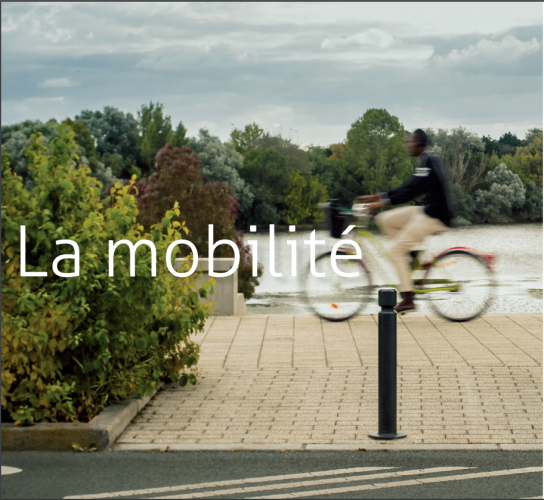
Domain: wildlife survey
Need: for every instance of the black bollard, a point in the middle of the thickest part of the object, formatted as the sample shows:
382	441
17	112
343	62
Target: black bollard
387	367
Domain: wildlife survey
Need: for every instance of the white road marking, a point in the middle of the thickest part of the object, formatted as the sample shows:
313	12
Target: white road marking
398	484
302	484
9	470
214	484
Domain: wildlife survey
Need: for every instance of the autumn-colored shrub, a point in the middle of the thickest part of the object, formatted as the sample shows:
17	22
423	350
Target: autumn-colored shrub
178	178
72	345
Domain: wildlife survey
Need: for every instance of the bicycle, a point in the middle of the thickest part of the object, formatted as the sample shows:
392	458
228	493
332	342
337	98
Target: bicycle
459	282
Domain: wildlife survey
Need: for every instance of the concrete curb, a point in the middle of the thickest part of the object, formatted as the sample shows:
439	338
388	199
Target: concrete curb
103	430
325	447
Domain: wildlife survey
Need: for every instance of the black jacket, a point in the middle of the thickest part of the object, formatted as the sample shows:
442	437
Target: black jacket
430	179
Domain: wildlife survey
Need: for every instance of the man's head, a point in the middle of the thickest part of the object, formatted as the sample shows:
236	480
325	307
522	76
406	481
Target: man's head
417	142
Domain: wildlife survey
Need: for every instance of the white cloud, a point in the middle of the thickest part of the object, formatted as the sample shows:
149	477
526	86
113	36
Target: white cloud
57	83
371	38
59	35
8	25
90	35
41	108
508	50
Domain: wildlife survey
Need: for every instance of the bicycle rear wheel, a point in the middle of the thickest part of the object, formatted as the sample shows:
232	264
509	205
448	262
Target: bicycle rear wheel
333	297
459	285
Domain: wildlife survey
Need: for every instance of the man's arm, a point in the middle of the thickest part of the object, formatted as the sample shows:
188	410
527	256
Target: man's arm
416	185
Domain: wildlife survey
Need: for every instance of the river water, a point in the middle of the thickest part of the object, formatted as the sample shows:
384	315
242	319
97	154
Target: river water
519	266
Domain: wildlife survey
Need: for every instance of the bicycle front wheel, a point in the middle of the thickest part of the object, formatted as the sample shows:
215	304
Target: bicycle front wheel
334	297
459	285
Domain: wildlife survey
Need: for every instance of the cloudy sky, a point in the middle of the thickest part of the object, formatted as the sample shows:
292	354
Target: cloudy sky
308	70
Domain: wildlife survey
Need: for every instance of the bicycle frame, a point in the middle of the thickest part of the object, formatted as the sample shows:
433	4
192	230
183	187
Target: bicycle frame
372	240
447	271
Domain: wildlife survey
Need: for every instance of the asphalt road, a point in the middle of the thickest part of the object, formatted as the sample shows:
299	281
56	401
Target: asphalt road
387	474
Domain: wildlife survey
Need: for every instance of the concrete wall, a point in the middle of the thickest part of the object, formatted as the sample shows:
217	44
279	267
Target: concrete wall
226	299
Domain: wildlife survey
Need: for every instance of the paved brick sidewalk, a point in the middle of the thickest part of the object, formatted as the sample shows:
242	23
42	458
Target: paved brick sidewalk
296	379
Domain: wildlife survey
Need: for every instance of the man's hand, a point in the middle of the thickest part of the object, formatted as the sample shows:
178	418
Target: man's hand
369	198
374	207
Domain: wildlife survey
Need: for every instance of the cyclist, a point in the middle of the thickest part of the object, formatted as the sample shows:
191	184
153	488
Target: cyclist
408	227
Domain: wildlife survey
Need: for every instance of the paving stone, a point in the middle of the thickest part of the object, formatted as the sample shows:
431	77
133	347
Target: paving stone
457	383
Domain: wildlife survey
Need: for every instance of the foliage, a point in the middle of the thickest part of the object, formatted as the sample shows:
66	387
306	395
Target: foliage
506	192
221	163
115	133
510	161
295	157
465	203
72	345
531	135
491	146
530	161
84	449
15	138
508	143
244	140
267	172
178	179
322	166
84	139
154	131
302	198
246	281
457	148
373	159
178	137
532	208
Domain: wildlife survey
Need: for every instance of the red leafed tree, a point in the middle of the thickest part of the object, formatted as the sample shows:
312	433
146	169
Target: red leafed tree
178	177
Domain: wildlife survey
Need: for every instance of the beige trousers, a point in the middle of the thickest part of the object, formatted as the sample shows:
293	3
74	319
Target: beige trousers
408	227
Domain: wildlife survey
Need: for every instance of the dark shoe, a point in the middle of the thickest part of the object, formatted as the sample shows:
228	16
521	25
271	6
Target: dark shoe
406	304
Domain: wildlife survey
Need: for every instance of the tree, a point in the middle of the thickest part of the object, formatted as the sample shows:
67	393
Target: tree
178	137
115	133
531	135
457	150
154	131
222	163
29	127
83	138
373	158
296	209
178	179
301	199
322	166
297	158
506	192
530	161
15	138
491	145
464	202
107	168
508	144
532	208
244	140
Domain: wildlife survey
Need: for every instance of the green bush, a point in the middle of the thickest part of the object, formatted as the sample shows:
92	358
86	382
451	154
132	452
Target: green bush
465	204
506	192
70	346
532	208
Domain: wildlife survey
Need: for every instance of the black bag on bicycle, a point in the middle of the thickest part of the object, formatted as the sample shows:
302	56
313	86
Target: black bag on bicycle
337	222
